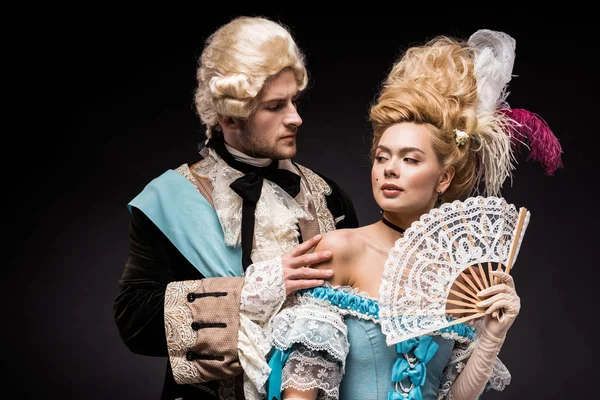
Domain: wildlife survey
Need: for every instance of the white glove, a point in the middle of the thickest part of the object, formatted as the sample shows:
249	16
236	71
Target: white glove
501	298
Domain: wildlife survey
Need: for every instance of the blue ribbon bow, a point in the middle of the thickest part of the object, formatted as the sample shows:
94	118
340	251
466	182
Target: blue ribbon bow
414	394
406	346
402	370
423	348
426	349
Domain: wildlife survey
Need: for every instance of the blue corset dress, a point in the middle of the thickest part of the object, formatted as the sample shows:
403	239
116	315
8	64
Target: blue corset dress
408	370
370	364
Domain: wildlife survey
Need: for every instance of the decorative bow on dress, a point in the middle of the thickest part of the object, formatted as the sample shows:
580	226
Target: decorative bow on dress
413	368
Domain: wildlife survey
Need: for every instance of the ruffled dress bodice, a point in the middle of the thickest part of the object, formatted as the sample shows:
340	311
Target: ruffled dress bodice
375	370
370	369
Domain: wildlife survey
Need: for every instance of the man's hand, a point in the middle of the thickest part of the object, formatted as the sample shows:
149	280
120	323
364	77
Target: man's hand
296	271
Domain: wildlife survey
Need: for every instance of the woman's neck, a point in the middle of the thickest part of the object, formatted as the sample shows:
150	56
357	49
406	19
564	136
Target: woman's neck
396	222
385	235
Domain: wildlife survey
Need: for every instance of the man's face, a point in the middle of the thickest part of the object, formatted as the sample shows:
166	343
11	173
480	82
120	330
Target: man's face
270	131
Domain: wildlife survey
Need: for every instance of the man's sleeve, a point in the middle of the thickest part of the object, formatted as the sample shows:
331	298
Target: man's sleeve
202	320
156	317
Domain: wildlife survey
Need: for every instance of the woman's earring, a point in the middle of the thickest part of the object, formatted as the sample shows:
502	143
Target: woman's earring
439	198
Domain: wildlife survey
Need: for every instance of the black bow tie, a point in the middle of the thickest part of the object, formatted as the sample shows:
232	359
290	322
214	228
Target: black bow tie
249	187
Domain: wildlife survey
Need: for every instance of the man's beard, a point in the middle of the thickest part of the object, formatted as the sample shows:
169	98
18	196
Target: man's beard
261	148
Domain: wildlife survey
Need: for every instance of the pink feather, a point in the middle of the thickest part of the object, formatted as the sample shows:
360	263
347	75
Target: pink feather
544	145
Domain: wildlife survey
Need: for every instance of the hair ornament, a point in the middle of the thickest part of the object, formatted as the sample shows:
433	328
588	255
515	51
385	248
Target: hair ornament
460	137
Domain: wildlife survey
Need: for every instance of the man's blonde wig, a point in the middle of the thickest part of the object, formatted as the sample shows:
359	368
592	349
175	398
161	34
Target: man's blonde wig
237	61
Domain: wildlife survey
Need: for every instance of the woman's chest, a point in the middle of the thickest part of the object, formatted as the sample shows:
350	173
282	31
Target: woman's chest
365	274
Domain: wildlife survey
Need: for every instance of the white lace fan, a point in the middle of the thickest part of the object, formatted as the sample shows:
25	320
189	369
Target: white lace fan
434	271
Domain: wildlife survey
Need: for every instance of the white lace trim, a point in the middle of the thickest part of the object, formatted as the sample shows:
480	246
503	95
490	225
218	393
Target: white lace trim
500	376
315	324
178	318
360	315
276	217
263	291
250	391
262	295
184	170
307	369
319	189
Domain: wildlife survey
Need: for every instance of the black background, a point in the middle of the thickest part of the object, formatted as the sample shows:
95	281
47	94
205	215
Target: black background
105	104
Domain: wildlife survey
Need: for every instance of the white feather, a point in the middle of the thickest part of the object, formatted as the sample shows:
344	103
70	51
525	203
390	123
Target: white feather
493	67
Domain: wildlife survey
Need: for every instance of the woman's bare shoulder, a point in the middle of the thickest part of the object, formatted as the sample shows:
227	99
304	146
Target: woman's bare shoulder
342	241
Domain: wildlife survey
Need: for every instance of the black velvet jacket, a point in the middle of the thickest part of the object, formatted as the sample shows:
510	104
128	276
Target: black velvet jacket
152	264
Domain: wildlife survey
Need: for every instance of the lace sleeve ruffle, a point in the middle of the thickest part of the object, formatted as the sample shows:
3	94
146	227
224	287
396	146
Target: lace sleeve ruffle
262	295
315	324
307	369
318	338
499	379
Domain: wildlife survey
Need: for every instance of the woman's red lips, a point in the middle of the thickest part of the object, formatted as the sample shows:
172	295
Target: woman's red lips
389	186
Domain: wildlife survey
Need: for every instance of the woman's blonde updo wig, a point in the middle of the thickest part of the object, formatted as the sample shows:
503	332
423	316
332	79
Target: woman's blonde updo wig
436	85
237	61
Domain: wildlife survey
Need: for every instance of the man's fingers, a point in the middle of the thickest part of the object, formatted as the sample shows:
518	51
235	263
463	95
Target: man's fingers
306	246
310	273
309	259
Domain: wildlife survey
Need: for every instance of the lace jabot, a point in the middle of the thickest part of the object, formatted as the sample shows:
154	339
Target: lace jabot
277	213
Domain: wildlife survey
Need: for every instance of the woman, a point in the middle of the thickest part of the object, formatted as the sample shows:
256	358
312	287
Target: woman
442	132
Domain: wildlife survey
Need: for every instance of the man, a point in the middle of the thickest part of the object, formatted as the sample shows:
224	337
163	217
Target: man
216	246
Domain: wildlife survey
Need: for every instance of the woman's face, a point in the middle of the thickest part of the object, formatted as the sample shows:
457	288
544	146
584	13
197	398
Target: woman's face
406	174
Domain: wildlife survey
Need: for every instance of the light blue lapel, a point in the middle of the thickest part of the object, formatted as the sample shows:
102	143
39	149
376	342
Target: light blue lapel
190	223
